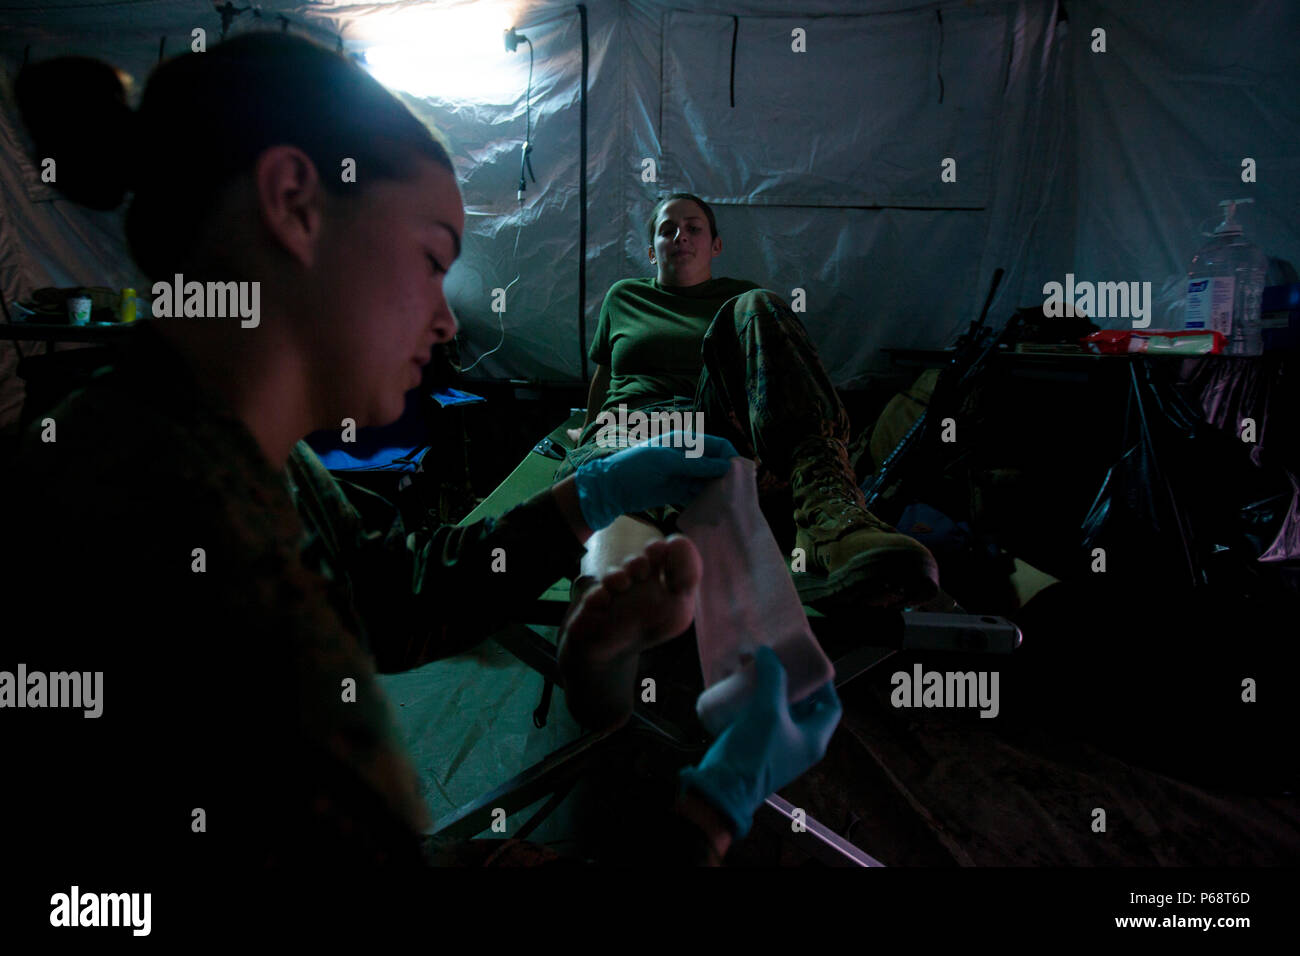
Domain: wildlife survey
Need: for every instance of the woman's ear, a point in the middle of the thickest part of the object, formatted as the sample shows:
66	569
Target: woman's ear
291	200
717	245
651	251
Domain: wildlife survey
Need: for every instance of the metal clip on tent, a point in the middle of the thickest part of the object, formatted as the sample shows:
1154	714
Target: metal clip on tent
526	165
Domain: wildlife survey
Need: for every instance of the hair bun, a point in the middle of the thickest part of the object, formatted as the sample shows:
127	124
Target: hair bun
76	111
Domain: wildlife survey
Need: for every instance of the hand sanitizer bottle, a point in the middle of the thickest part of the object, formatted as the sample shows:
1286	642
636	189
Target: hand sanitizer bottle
1225	285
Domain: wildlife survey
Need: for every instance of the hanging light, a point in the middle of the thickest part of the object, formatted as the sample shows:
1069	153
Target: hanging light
451	53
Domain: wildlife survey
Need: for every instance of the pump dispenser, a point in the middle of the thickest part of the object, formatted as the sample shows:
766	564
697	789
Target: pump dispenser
1225	284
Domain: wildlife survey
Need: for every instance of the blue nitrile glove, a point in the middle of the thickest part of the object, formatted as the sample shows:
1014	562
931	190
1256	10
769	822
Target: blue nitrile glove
648	475
770	744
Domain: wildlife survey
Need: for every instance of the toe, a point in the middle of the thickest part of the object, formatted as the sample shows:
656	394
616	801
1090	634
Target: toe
596	599
616	581
655	549
637	568
682	565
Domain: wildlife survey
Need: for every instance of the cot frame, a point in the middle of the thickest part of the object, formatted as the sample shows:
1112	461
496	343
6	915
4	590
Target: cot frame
946	630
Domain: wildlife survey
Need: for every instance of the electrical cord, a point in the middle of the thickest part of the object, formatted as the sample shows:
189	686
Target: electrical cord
501	316
525	169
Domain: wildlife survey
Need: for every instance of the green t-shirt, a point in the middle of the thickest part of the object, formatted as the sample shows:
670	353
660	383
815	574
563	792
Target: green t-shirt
650	337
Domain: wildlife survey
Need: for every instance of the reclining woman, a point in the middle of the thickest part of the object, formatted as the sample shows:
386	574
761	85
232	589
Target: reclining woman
240	689
686	342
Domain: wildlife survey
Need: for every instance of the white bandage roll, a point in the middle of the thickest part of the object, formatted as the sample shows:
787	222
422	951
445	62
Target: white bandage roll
746	599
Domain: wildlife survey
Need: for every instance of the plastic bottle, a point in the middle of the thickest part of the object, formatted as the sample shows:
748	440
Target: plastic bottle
128	306
1225	285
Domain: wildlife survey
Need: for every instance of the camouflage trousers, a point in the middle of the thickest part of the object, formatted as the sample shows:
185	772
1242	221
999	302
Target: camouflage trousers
763	388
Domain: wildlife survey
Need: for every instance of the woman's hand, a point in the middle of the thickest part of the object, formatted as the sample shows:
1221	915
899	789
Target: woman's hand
770	744
648	475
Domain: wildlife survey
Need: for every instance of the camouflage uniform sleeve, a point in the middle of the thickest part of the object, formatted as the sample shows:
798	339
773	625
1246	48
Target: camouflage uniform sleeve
466	582
435	591
231	682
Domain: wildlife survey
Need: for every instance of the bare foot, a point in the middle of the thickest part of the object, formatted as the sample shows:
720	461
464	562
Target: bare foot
650	599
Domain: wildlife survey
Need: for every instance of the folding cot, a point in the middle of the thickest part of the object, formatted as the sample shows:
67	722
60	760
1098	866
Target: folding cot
856	642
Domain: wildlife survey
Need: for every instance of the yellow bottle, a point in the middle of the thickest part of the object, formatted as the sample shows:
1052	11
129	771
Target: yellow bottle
127	311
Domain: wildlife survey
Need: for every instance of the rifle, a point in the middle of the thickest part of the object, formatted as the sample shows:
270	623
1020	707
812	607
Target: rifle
970	354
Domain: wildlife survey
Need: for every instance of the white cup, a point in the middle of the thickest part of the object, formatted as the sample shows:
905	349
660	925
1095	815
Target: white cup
79	310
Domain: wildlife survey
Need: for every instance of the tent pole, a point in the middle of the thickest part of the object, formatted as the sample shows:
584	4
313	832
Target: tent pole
582	204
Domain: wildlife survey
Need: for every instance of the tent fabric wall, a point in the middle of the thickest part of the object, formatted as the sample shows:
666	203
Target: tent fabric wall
46	242
881	277
1183	94
774	129
1096	164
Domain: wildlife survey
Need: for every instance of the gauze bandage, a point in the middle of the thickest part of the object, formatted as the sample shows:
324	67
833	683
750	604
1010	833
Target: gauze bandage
746	598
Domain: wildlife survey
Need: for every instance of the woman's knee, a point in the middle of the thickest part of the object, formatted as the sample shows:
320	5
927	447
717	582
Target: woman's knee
760	300
759	310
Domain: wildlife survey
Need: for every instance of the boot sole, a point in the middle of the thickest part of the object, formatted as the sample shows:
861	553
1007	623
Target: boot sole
883	576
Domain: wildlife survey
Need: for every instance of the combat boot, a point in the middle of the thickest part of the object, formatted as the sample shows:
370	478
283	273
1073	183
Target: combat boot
848	551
